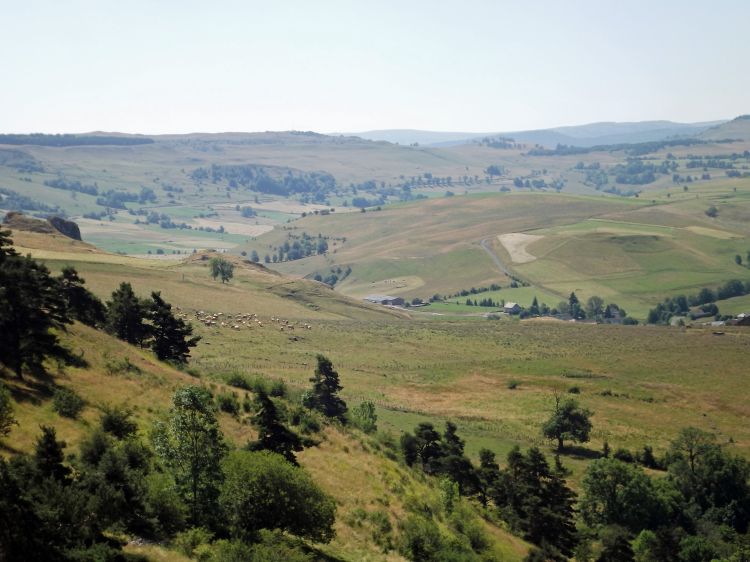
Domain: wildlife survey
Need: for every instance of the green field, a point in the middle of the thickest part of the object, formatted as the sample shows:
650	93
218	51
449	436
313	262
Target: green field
495	379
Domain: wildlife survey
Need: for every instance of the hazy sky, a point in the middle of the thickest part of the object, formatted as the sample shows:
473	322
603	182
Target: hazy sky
180	65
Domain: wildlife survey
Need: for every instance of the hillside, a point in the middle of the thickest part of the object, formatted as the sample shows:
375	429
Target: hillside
117	374
591	134
738	128
628	251
495	379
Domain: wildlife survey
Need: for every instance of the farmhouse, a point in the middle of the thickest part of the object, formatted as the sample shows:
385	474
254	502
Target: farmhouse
512	308
385	300
742	319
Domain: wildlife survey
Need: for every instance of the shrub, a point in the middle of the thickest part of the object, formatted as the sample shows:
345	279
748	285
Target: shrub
228	402
121	366
7	420
238	380
67	403
574	390
188	541
262	490
420	539
364	416
513	384
624	455
164	505
116	420
305	420
278	389
382	530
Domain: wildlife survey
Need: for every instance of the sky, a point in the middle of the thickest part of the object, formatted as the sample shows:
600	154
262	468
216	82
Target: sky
178	66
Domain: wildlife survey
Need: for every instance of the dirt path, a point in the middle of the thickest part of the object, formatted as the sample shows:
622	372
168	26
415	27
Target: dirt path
500	265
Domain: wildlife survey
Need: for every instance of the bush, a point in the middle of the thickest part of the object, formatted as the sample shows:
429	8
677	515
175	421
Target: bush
164	505
188	541
117	421
262	490
238	380
7	419
305	420
67	403
420	539
228	402
624	455
382	530
364	417
574	390
278	389
513	384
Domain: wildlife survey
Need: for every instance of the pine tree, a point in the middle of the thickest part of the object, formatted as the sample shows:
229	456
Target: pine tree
324	394
534	308
170	336
126	314
272	434
83	305
6	246
49	456
30	306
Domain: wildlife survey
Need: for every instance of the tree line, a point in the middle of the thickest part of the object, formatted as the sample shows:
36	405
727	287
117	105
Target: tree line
40	139
696	510
704	301
33	303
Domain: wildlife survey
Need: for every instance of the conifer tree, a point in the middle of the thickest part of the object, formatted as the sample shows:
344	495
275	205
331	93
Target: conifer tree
126	314
170	336
30	307
82	304
324	394
272	434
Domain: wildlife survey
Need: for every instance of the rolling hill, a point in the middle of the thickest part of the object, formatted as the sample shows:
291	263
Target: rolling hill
592	134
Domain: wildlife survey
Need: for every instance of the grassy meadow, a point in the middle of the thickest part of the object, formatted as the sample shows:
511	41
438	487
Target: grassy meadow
495	378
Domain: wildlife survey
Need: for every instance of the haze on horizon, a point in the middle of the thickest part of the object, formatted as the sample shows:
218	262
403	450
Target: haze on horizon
177	67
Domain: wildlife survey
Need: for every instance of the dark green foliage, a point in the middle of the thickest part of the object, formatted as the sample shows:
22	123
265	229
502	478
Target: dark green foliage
441	455
324	394
711	479
228	402
30	307
22	536
114	475
67	403
615	546
82	304
49	456
126	315
272	434
117	421
221	268
420	539
617	493
364	416
262	490
535	500
7	419
568	422
192	446
171	337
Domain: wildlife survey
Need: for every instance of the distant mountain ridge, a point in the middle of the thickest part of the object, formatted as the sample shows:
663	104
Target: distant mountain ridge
590	134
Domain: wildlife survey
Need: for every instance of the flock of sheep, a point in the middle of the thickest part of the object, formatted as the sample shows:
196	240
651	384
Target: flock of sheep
240	320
